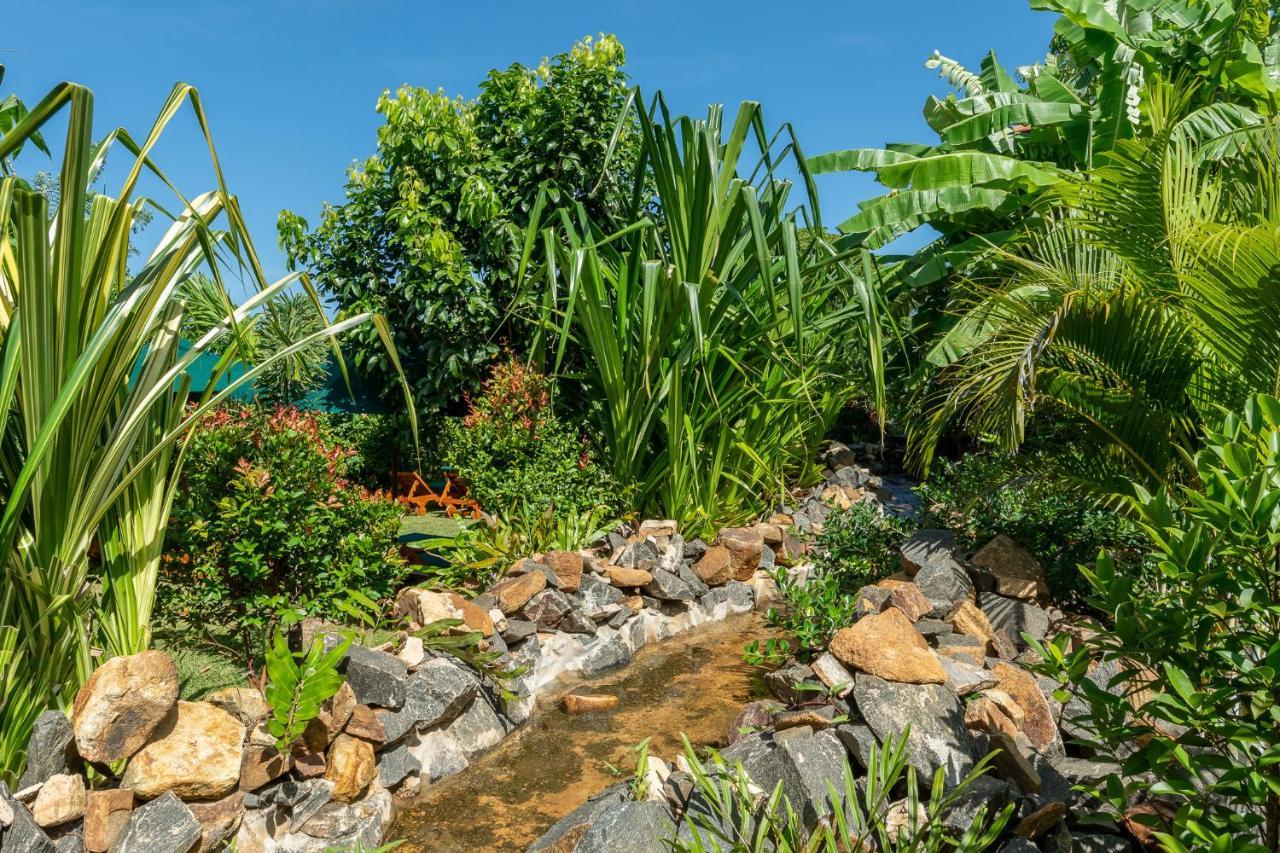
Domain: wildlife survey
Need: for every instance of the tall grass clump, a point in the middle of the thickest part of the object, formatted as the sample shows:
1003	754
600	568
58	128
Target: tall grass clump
708	344
93	399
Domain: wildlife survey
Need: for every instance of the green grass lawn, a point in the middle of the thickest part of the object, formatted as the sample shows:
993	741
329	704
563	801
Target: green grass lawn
414	528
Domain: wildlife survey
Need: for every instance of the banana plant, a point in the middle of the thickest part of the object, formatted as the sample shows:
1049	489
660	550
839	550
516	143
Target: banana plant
93	396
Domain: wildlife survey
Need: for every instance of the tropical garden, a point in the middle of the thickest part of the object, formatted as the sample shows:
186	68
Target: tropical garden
590	311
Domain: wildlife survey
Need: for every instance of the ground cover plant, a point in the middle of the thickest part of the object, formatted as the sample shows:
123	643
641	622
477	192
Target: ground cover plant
267	529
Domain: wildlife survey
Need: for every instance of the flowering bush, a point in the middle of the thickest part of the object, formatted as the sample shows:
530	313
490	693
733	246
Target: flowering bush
266	528
514	452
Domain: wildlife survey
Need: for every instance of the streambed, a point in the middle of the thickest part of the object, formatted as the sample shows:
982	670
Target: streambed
693	684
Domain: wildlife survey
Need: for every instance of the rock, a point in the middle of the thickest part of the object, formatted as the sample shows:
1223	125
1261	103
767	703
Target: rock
330	719
350	766
218	820
732	598
425	606
517	630
567	566
121	704
1013	763
793	684
478	728
804	765
547	608
668	587
1017	574
908	598
300	801
376	678
859	741
514	592
985	714
657	528
367	725
395	764
19	832
61	799
412	652
349	826
925	546
694	550
1040	821
1014	618
261	764
576	703
1098	843
1037	722
716	566
164	825
967	620
639	555
195	753
309	766
833	674
937	738
984	792
244	703
105	815
946	584
888	646
814	719
448	684
965	678
870	600
754	717
564	835
933	629
600	600
630	827
626	578
576	622
608	651
691	580
970	653
744	546
51	750
439	754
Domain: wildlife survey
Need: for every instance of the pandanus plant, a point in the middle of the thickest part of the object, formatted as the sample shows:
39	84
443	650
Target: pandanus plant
93	397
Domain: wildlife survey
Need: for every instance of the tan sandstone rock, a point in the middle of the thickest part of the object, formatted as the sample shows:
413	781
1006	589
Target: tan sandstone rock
331	719
970	621
1037	721
350	767
575	703
621	576
908	598
261	764
1017	573
244	703
105	814
514	592
195	753
218	820
121	704
745	547
567	566
61	799
888	646
716	566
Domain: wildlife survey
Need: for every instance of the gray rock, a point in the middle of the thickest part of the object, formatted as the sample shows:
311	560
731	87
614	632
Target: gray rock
1019	845
479	728
1099	843
938	737
859	741
606	652
691	580
448	683
924	546
1075	718
23	833
50	750
694	550
850	476
736	594
547	608
395	764
359	825
298	800
163	825
1061	775
965	678
599	598
789	683
945	583
985	791
72	842
580	818
1014	618
639	555
576	621
377	678
618	619
517	630
629	827
486	601
804	764
870	600
668	587
768	559
933	628
439	754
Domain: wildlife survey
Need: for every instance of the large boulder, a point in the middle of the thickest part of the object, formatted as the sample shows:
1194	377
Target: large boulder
164	825
629	827
937	738
195	753
668	587
1016	573
599	599
478	728
121	704
564	834
887	645
51	749
547	608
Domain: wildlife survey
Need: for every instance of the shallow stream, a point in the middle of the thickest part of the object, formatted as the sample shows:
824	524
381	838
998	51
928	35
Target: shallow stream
695	683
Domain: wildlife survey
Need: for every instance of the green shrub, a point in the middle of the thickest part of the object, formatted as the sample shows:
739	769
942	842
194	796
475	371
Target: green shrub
1195	648
857	546
379	443
516	455
1029	498
267	529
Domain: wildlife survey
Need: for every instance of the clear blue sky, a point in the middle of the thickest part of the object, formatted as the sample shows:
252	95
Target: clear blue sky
290	86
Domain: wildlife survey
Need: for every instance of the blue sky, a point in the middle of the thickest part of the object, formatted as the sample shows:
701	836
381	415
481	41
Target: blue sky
290	87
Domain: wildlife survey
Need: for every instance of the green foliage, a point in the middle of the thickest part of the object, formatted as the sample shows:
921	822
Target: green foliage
379	444
857	546
429	229
266	527
1034	498
712	350
517	457
738	819
297	685
1191	714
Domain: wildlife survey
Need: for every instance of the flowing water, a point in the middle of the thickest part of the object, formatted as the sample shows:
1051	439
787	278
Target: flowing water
695	683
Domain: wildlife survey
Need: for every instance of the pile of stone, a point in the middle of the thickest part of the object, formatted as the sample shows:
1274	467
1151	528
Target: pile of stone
938	652
205	775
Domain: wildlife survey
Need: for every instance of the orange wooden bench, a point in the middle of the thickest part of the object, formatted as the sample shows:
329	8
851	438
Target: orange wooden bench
419	496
